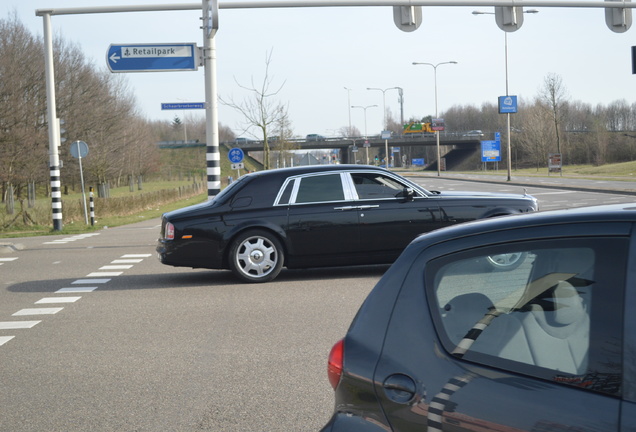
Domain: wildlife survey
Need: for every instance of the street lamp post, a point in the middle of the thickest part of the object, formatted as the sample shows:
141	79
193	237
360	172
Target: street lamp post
434	66
349	105
508	128
365	123
385	125
384	101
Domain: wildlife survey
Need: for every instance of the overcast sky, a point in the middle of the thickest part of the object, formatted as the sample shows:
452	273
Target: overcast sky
317	52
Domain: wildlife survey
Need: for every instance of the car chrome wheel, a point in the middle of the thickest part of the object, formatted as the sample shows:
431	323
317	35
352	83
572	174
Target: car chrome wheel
256	257
507	261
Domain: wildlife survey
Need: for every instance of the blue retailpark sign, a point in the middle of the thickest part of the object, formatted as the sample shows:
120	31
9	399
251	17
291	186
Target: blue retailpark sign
491	151
152	57
181	106
235	155
507	104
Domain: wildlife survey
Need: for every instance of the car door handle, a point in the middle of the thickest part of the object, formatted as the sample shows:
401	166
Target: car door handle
361	207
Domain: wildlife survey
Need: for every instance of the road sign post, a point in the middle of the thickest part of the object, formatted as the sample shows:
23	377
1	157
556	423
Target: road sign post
79	149
236	156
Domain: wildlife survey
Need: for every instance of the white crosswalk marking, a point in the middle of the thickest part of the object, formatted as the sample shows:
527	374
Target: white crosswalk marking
12	325
85	289
47	300
5	339
37	311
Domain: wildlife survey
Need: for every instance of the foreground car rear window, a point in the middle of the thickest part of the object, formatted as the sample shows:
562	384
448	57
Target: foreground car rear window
547	309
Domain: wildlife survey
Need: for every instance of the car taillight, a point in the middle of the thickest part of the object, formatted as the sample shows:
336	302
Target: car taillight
335	364
169	231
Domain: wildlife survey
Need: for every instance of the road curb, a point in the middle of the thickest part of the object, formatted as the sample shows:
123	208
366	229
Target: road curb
585	188
7	248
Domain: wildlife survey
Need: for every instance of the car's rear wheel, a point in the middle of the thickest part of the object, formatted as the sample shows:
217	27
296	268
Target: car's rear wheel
256	256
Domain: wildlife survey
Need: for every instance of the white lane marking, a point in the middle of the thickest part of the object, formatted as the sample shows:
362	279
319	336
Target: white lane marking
5	339
90	281
12	325
552	193
8	259
47	300
71	239
115	267
136	255
37	311
99	274
75	290
126	261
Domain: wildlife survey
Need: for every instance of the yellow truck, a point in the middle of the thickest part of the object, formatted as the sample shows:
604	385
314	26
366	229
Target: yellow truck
416	129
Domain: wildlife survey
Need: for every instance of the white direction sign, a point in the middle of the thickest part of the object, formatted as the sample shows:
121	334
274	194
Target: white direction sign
152	57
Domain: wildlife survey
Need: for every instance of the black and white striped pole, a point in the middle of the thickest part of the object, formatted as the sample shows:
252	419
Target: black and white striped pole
213	160
91	205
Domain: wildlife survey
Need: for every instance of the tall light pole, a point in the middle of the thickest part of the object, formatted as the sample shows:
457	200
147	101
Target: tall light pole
508	128
365	123
401	101
434	66
384	101
365	115
349	106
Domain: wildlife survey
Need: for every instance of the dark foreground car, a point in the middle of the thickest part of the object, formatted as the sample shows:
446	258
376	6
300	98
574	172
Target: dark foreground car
317	216
444	343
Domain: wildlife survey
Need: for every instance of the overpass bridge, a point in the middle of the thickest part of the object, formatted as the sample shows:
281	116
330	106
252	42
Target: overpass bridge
466	145
345	145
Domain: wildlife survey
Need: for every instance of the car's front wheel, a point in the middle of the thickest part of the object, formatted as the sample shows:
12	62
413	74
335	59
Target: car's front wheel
506	261
256	256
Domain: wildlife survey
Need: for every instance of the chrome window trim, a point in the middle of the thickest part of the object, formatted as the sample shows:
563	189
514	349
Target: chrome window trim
349	190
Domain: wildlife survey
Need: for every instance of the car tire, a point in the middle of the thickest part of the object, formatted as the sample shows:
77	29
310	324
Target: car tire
506	261
256	256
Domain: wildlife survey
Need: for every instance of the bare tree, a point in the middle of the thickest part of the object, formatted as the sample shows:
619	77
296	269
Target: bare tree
260	110
23	154
553	98
535	137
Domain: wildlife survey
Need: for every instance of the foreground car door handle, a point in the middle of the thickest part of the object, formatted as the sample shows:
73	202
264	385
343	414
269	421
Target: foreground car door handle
362	207
399	388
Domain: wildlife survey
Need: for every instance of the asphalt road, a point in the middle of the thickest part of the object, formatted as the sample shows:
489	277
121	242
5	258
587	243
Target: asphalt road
96	335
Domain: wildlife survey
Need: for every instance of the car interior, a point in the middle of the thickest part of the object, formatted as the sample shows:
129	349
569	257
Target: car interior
545	323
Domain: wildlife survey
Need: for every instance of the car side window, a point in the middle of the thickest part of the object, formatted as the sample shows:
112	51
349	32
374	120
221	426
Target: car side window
285	194
320	188
550	310
374	186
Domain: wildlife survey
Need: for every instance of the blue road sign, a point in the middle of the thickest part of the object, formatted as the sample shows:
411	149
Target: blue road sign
507	104
152	57
490	151
181	106
235	155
